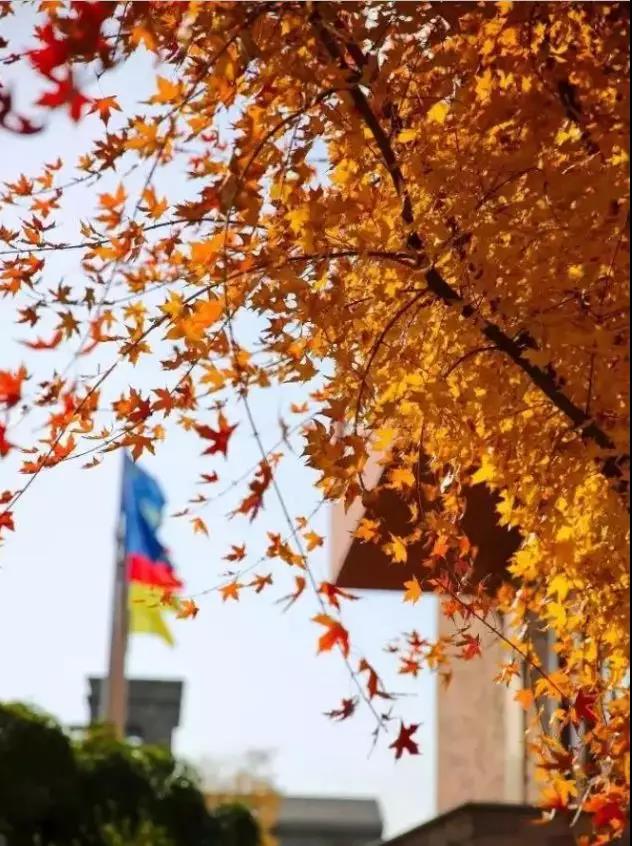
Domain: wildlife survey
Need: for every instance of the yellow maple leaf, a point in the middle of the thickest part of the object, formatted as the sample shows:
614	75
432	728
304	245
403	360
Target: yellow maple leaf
439	112
401	477
413	590
167	91
367	530
396	549
486	472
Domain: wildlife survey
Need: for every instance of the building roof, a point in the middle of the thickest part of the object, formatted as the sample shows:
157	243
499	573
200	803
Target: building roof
319	813
493	824
366	566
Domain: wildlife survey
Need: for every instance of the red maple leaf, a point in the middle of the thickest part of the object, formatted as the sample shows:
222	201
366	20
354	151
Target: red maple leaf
410	666
332	593
336	634
347	709
65	92
11	386
6	521
219	437
258	486
53	53
404	741
373	684
471	646
608	809
5	445
584	708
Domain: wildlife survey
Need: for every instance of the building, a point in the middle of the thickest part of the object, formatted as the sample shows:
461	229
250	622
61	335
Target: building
480	760
489	824
316	821
153	708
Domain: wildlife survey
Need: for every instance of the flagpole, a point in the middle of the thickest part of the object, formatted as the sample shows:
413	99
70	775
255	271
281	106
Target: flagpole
115	693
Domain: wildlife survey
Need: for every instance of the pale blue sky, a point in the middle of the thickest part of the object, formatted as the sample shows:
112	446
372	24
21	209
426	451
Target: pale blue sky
253	681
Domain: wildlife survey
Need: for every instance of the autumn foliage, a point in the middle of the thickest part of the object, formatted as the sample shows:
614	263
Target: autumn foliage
426	208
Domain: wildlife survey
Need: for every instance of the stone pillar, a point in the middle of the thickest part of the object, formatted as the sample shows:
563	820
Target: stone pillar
480	729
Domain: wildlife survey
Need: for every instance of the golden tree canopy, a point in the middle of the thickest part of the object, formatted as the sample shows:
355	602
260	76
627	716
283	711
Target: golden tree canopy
426	207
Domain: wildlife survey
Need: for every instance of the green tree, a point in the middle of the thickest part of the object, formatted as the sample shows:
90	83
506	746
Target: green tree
97	791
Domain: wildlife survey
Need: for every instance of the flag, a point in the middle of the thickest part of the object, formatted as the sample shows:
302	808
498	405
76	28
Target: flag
149	571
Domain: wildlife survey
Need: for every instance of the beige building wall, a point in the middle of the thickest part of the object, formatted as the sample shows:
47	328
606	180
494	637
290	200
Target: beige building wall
480	729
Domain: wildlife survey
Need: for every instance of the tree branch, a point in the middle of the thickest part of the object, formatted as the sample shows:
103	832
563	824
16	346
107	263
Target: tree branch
545	380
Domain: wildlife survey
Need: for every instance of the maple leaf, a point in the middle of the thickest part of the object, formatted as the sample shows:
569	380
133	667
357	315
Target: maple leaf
470	646
414	591
409	667
261	582
367	530
332	593
557	795
252	504
584	708
336	634
345	710
54	52
238	553
231	591
11	386
374	685
65	93
396	549
6	521
104	106
440	547
525	698
41	344
5	445
208	478
289	600
187	608
401	477
608	809
167	91
313	540
404	742
219	437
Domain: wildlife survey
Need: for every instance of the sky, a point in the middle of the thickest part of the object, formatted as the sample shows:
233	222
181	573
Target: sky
253	681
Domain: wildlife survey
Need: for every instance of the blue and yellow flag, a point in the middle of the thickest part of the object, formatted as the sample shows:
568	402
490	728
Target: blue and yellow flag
150	573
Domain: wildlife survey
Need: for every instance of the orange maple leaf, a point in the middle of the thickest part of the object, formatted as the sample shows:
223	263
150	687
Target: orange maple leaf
199	526
104	106
231	591
260	582
41	344
187	609
336	634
